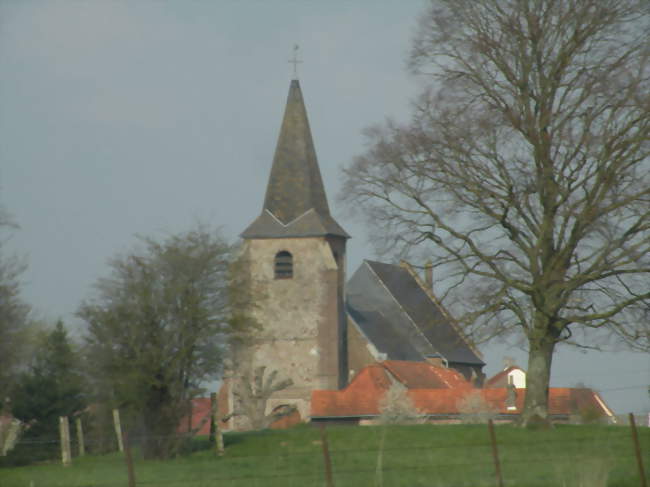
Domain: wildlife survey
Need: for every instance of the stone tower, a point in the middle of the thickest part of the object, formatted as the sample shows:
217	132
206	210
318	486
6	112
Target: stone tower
296	254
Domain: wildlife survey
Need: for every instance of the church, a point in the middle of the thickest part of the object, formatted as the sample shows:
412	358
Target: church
317	328
340	342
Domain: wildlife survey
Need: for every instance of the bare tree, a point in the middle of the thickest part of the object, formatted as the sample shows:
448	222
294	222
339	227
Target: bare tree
252	390
524	173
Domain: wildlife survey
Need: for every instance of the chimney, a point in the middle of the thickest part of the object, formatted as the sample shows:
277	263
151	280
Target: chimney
511	396
435	361
507	362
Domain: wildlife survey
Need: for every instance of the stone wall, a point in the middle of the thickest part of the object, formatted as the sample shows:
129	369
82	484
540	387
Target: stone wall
299	318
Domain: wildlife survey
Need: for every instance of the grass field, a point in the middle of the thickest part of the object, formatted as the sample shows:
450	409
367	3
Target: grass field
422	455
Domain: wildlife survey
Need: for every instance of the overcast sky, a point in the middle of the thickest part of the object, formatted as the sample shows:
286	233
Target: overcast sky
120	118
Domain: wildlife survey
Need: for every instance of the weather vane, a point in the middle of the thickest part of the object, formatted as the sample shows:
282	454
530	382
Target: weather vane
295	61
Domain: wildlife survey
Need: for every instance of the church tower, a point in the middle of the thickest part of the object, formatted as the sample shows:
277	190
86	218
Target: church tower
296	256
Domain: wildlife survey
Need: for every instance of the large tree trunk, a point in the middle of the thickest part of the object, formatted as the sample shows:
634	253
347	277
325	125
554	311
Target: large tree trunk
540	356
161	418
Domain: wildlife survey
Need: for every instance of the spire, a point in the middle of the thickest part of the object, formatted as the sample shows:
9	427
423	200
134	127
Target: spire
295	61
295	204
295	185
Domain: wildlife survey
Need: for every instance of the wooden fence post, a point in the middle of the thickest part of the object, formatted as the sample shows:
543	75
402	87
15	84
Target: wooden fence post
118	429
216	435
329	482
637	449
220	446
495	453
213	417
80	437
9	434
64	433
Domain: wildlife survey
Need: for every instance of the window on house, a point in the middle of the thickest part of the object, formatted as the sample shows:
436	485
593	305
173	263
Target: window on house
283	265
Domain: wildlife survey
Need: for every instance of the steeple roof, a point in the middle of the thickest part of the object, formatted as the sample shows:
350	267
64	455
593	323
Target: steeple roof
295	204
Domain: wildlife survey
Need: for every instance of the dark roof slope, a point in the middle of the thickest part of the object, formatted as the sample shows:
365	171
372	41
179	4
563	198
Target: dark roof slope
295	203
425	313
412	326
382	321
387	339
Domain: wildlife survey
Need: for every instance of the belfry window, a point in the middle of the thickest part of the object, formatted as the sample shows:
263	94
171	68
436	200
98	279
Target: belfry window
283	265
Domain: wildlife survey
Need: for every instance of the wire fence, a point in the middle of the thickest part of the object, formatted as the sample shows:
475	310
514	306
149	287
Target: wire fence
426	455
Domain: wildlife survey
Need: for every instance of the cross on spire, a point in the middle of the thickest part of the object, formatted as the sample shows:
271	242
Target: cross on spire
295	61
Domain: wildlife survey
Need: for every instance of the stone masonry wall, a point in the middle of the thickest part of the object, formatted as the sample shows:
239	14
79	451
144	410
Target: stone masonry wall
298	317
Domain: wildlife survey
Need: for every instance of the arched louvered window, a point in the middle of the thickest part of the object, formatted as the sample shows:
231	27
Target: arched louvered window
283	265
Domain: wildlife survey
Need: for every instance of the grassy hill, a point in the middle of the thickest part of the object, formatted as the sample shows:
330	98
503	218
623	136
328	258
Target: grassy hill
422	455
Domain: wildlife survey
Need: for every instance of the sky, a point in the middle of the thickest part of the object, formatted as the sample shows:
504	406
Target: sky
125	118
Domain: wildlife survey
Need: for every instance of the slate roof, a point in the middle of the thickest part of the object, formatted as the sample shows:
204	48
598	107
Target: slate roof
400	319
295	204
390	340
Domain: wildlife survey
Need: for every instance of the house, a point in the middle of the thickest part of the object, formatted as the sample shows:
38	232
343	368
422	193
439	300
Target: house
509	375
443	395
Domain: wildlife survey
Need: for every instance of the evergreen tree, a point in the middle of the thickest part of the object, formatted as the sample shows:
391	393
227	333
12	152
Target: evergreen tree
53	386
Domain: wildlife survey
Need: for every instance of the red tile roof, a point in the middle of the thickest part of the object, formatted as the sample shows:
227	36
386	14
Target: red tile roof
423	375
577	400
362	396
562	401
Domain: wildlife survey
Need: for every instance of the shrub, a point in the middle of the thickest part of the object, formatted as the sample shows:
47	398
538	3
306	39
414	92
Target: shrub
396	407
473	408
